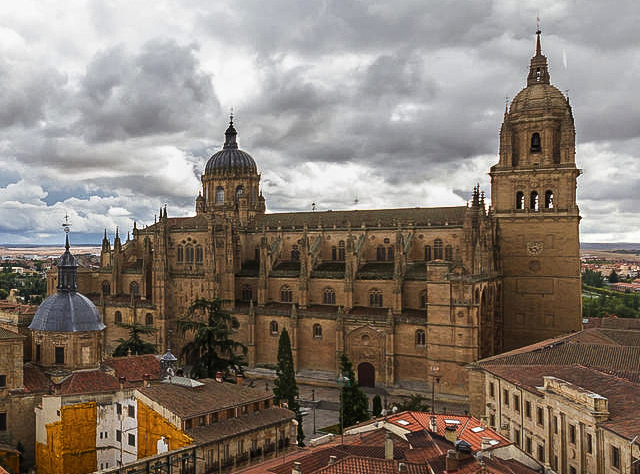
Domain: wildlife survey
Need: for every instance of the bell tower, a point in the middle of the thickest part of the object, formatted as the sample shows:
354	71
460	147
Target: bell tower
533	196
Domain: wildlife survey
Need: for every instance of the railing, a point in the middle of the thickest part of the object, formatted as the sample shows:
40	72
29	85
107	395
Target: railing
242	457
227	462
269	448
255	452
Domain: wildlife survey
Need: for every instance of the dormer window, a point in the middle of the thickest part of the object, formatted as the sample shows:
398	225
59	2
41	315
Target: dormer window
535	143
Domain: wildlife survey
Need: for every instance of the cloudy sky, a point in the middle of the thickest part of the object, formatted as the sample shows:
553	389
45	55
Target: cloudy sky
110	108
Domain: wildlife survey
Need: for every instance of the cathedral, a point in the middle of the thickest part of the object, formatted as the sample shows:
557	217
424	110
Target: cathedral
410	294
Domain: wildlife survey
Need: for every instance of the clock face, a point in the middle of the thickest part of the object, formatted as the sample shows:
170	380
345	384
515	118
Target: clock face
534	247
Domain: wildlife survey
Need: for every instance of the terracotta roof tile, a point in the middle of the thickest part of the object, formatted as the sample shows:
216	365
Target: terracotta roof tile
188	402
89	381
34	379
362	465
133	368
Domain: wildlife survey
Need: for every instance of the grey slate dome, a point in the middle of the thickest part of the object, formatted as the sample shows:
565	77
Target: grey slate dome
231	160
67	310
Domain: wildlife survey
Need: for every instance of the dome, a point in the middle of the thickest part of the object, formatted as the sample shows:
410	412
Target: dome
231	159
538	96
67	311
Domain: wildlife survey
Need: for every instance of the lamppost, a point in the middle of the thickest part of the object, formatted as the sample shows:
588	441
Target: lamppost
435	378
313	403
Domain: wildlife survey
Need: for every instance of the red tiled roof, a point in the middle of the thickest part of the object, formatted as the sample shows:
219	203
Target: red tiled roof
90	381
623	395
34	379
18	308
133	368
468	428
361	465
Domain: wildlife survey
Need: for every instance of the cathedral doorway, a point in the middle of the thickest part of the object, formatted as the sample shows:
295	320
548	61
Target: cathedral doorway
366	375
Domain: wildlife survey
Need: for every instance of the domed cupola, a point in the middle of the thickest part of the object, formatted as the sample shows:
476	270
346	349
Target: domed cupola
231	160
231	183
67	327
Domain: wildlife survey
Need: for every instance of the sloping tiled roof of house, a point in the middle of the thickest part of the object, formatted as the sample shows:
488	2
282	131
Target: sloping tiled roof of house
34	379
133	368
623	395
90	381
188	402
363	465
233	426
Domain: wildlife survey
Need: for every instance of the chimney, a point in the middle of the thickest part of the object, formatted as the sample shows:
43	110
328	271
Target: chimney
296	468
332	460
433	424
56	388
219	377
388	446
451	433
147	380
451	462
402	467
239	378
485	444
122	380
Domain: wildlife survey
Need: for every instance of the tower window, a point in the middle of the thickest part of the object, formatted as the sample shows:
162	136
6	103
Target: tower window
548	199
334	253
533	205
148	319
317	331
535	143
329	296
286	295
199	254
239	191
381	253
219	195
118	317
341	250
295	254
437	249
519	200
106	288
423	299
390	253
427	253
189	253
247	293
180	253
420	338
60	355
375	298
273	327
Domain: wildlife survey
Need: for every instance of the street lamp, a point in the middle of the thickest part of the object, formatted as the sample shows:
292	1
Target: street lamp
313	403
342	381
435	378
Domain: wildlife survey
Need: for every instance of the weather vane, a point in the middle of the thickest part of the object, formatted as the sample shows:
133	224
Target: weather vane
66	225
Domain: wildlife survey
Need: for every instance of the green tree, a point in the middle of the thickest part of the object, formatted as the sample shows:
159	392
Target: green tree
285	388
212	348
613	277
377	406
415	402
135	344
355	404
593	278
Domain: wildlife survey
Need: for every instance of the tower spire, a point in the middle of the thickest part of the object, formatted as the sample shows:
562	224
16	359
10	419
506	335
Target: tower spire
538	70
230	134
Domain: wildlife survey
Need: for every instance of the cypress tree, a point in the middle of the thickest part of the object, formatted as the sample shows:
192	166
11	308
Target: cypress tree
355	404
285	387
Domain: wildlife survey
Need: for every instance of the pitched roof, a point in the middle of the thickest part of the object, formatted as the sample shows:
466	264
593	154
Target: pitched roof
211	396
89	381
613	323
6	334
369	217
34	379
133	368
623	395
241	424
362	465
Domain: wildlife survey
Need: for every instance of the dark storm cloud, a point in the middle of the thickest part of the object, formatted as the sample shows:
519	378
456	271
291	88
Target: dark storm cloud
160	90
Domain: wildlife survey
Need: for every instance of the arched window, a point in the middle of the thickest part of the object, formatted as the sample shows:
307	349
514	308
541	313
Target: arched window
437	249
341	252
247	293
189	253
180	253
118	317
535	143
286	295
134	289
448	253
427	253
375	298
381	253
295	254
423	299
421	338
548	199
273	327
148	319
519	200
239	191
534	201
329	296
317	331
106	288
390	253
199	254
219	195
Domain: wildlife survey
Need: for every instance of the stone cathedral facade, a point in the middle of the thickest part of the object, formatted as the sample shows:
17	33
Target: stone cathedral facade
407	294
